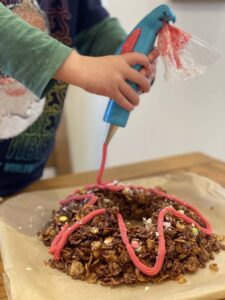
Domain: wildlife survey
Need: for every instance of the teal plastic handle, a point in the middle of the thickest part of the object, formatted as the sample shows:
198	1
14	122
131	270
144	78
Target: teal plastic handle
149	26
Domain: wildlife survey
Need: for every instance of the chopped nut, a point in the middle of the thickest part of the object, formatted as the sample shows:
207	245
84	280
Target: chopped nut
106	200
140	275
92	278
96	248
180	226
50	231
95	245
108	241
214	267
94	230
76	268
114	268
181	279
148	223
182	256
150	244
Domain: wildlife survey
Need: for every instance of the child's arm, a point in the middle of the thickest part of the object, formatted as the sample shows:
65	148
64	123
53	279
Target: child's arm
27	54
107	75
101	39
33	58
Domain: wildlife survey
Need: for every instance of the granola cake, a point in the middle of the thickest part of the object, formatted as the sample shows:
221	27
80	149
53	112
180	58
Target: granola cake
120	234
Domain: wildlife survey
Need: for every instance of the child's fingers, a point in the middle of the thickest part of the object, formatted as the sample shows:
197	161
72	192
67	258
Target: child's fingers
139	79
129	93
123	102
147	72
153	55
135	58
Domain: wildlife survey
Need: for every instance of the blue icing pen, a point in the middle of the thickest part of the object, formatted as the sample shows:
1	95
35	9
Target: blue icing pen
141	39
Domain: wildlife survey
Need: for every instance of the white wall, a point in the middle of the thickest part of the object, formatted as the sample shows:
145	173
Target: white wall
175	117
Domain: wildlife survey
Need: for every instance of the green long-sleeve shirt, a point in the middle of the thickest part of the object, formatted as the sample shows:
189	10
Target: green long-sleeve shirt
32	57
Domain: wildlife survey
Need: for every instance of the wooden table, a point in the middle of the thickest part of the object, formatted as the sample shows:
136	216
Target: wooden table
195	162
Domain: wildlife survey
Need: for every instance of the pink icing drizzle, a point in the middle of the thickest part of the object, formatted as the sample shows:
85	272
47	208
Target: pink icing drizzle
102	166
62	237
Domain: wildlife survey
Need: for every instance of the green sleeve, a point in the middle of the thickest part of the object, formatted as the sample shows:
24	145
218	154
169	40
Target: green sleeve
101	39
27	54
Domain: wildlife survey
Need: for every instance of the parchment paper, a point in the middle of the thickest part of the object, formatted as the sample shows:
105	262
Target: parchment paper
23	255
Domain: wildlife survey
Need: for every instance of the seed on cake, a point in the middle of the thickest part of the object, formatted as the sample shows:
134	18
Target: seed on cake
63	218
194	230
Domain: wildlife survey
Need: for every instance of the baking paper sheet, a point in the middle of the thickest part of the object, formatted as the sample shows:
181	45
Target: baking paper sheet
23	255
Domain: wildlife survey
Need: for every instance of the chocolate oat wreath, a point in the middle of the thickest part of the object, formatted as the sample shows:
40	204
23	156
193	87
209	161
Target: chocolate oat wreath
123	234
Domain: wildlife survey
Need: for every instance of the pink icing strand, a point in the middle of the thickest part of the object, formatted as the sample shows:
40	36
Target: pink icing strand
62	237
207	230
142	267
150	271
71	198
102	167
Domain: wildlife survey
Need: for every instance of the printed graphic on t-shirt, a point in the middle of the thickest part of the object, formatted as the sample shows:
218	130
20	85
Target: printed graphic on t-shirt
19	107
26	152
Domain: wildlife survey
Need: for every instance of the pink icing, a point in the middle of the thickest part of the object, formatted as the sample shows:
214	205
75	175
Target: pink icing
62	237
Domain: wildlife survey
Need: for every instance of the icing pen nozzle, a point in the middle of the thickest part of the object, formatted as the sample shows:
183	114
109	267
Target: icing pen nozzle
111	131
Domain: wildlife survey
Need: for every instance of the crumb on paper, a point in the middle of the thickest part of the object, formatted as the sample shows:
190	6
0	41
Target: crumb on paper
20	227
181	279
211	208
28	268
214	267
220	238
147	288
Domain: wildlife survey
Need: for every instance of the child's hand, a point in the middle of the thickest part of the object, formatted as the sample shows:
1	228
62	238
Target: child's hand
107	75
151	71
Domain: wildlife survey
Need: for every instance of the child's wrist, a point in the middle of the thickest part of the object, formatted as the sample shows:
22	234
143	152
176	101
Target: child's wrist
70	69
